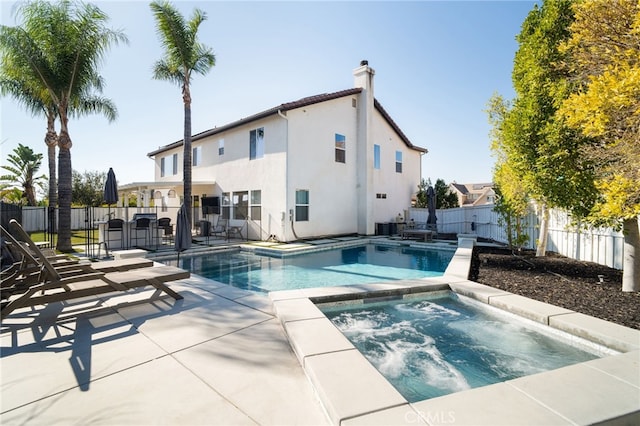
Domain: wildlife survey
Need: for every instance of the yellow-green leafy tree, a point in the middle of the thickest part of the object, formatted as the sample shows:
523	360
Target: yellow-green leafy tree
537	153
512	198
604	62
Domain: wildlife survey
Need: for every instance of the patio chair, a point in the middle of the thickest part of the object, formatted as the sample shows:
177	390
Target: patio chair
142	224
57	286
164	223
114	226
235	231
220	228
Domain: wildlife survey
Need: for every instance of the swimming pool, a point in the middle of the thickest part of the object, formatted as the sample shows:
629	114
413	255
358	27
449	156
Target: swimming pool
441	343
363	264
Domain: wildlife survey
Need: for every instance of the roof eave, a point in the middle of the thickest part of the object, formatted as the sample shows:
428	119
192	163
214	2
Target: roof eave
396	128
282	107
287	107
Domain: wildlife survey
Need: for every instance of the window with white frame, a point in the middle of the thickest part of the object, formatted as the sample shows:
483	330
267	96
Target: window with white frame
398	161
341	151
196	158
226	206
256	205
221	147
240	205
175	164
256	143
162	166
302	205
376	157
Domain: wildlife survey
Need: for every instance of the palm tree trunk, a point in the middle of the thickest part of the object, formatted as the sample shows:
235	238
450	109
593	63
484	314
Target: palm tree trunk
30	193
51	140
64	189
187	152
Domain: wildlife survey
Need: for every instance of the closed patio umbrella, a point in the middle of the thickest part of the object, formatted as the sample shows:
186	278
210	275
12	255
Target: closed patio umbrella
111	190
431	205
183	231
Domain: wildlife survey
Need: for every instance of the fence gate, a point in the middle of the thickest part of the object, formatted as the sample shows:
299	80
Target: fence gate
8	212
91	237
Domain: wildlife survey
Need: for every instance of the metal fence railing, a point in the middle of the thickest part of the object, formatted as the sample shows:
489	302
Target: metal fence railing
600	245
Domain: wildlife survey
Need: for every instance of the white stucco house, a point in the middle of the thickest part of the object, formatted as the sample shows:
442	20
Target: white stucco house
330	164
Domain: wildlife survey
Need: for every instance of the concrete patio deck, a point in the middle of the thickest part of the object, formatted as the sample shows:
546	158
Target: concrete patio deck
225	356
218	357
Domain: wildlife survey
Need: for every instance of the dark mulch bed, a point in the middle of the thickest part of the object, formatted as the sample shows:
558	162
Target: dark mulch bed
584	287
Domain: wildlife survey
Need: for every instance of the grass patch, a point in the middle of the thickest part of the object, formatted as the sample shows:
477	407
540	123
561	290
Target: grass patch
78	237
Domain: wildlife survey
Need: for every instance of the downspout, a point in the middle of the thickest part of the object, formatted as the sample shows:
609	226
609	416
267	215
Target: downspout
287	180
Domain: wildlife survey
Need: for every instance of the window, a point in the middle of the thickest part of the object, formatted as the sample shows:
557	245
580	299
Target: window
398	161
240	205
196	158
256	205
256	143
381	195
175	164
226	206
302	205
376	157
340	149
221	147
164	164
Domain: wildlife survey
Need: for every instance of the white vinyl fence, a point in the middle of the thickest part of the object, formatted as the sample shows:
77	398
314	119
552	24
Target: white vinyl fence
36	218
600	245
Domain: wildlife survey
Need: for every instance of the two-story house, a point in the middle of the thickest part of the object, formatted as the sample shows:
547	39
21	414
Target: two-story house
329	164
473	194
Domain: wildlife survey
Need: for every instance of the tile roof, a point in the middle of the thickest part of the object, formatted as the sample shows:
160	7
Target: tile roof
310	100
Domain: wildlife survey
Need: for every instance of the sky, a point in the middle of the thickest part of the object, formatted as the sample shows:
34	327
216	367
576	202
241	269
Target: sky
437	63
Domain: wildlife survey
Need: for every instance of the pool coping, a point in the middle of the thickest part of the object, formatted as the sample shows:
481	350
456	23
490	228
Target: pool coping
353	392
289	249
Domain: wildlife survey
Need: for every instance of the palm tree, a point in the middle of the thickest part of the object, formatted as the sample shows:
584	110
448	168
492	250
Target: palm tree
184	55
24	165
13	82
61	45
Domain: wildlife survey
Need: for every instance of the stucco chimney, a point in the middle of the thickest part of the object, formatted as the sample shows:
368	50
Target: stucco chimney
363	76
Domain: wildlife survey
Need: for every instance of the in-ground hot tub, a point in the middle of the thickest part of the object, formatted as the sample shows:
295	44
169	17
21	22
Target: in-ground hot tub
436	343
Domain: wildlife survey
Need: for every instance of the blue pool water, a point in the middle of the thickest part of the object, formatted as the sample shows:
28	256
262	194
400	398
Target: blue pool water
443	344
369	263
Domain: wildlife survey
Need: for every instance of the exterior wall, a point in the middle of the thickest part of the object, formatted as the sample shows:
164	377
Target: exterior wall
334	187
398	187
312	166
300	155
234	172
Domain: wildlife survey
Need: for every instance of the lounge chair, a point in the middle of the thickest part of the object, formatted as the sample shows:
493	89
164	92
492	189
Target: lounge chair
424	234
60	262
77	281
